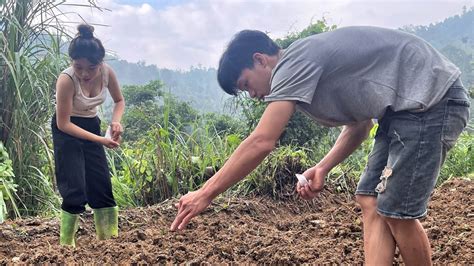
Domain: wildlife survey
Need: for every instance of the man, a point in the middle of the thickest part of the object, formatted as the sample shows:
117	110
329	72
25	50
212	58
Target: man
348	77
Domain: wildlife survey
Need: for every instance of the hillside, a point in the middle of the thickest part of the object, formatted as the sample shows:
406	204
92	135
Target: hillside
197	85
457	30
454	37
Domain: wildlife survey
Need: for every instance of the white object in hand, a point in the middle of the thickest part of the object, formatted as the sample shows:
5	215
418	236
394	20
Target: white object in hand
302	179
108	133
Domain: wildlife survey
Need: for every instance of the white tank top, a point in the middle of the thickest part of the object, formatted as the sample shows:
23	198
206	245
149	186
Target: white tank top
83	106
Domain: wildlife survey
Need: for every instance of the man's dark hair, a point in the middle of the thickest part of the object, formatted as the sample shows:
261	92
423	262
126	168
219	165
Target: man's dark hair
239	55
85	45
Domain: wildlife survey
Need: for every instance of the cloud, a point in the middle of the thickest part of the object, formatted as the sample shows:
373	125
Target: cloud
193	32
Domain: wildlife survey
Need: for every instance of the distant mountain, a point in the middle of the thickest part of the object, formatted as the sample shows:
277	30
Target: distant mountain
454	37
456	30
198	86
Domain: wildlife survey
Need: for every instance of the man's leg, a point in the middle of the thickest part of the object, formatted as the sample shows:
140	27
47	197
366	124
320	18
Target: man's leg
412	146
418	147
411	239
379	245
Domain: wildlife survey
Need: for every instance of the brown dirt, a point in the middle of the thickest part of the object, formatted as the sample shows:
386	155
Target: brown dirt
243	230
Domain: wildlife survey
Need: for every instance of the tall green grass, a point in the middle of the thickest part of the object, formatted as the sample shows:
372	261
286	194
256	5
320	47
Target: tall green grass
7	186
460	160
30	60
31	35
167	161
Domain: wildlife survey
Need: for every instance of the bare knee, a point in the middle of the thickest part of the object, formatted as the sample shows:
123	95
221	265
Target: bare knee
368	204
396	225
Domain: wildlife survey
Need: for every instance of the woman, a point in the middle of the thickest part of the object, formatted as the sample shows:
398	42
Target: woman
81	166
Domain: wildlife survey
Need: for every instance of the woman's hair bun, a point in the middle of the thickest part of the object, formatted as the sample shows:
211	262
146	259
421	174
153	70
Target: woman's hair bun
85	31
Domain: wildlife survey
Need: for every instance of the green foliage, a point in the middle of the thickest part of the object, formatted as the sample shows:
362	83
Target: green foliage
276	174
460	160
169	147
138	120
346	175
303	131
7	185
30	60
223	124
141	118
314	28
167	162
138	95
252	110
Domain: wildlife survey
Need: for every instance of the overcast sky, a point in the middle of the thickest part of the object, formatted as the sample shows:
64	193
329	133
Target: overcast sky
178	34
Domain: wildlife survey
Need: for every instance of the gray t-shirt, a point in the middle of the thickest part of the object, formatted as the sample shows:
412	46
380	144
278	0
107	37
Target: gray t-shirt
353	74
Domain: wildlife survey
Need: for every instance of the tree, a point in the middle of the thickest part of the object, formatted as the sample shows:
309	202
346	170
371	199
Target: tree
149	107
138	95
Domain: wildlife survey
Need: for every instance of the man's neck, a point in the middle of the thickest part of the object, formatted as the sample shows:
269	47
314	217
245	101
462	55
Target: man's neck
273	60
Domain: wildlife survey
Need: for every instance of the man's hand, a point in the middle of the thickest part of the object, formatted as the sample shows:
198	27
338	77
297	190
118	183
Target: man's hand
315	177
189	206
350	138
243	160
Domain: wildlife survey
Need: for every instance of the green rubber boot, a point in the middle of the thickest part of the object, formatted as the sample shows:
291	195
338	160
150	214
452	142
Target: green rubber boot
68	229
106	222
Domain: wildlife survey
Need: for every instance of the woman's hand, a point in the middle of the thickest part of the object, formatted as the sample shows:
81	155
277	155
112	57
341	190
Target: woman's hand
116	131
109	143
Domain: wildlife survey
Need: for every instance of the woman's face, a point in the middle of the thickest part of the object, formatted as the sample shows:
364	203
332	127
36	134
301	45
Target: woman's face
85	70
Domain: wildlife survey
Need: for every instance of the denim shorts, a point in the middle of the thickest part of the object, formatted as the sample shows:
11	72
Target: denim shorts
408	153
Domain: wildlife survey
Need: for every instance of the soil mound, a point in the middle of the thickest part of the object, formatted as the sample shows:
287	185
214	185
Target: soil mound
242	230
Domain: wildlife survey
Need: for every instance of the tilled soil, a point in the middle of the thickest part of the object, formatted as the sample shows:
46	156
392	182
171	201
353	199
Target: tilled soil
243	230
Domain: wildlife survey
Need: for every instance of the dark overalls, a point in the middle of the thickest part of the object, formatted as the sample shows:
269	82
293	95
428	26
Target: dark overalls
82	172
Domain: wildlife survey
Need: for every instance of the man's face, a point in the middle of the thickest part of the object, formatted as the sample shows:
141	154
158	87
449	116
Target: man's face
256	81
